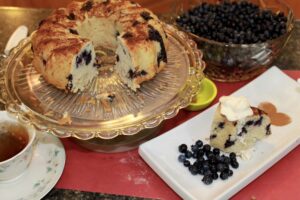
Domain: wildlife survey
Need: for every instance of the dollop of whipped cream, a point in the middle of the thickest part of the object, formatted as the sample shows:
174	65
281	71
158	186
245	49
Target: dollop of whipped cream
235	108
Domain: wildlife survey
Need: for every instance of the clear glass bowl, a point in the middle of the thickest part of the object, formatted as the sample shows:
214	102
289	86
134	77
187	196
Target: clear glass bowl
91	114
235	62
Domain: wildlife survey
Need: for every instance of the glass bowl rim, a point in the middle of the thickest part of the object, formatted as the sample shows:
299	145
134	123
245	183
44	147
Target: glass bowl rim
290	28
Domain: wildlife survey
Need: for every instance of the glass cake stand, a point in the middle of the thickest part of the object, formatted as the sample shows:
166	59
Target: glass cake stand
108	116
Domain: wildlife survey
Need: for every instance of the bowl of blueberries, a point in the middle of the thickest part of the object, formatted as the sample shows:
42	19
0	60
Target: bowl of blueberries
239	38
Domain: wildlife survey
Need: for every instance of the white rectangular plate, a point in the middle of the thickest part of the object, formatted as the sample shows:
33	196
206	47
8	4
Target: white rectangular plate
161	153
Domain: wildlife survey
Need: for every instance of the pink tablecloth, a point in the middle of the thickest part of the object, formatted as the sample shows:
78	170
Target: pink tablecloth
127	174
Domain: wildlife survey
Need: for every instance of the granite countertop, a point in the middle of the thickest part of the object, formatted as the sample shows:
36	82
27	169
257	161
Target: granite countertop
60	194
13	17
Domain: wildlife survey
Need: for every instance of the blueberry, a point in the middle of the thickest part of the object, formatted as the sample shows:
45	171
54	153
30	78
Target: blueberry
70	77
193	169
71	16
111	97
200	158
201	171
218	158
207	172
221	125
186	163
213	136
232	155
78	60
73	31
218	22
215	176
197	164
226	160
213	168
224	175
216	151
213	160
181	158
233	160
87	56
229	172
205	166
188	154
207	179
209	154
235	165
69	86
200	153
146	16
194	148
206	148
182	148
87	6
199	143
220	167
258	122
222	158
194	155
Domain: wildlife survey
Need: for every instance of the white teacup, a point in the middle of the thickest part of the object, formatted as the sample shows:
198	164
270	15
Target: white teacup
13	167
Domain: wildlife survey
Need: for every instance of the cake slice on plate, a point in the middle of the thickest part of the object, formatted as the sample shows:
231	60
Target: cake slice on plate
237	126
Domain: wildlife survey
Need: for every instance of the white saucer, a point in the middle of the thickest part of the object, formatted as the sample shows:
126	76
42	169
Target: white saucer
44	171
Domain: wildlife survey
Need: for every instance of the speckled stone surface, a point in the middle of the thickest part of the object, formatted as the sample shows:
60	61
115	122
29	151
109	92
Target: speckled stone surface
60	194
290	55
11	18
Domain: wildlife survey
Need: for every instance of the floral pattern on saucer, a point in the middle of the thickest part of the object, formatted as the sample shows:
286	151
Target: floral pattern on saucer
42	174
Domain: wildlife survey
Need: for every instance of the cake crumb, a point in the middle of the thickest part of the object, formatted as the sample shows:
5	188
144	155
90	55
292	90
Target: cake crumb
247	154
111	97
106	105
49	113
253	198
66	119
83	99
91	101
88	110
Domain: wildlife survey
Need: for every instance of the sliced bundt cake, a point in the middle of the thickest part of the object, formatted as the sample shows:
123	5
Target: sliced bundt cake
237	126
64	44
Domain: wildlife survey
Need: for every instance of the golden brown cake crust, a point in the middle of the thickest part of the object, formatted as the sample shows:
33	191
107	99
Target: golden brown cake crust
58	40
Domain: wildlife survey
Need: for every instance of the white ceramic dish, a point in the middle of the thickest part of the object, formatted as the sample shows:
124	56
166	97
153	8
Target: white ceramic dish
161	153
44	171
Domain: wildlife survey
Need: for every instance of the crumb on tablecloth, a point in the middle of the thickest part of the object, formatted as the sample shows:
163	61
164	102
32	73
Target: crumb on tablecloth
66	119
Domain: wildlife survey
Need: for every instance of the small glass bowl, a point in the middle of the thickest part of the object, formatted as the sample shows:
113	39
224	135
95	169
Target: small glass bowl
236	62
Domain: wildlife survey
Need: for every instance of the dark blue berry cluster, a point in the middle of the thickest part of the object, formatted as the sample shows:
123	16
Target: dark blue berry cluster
207	161
85	56
239	22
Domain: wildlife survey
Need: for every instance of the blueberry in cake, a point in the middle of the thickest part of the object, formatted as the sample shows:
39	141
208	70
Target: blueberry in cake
237	126
64	44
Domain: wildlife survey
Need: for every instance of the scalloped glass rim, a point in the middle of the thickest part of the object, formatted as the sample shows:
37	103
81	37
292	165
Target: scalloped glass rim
44	123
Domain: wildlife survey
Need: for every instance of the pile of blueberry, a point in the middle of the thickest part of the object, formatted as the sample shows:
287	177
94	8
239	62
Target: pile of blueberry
239	22
207	161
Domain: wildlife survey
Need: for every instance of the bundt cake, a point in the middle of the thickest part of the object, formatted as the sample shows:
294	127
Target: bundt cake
64	44
237	126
